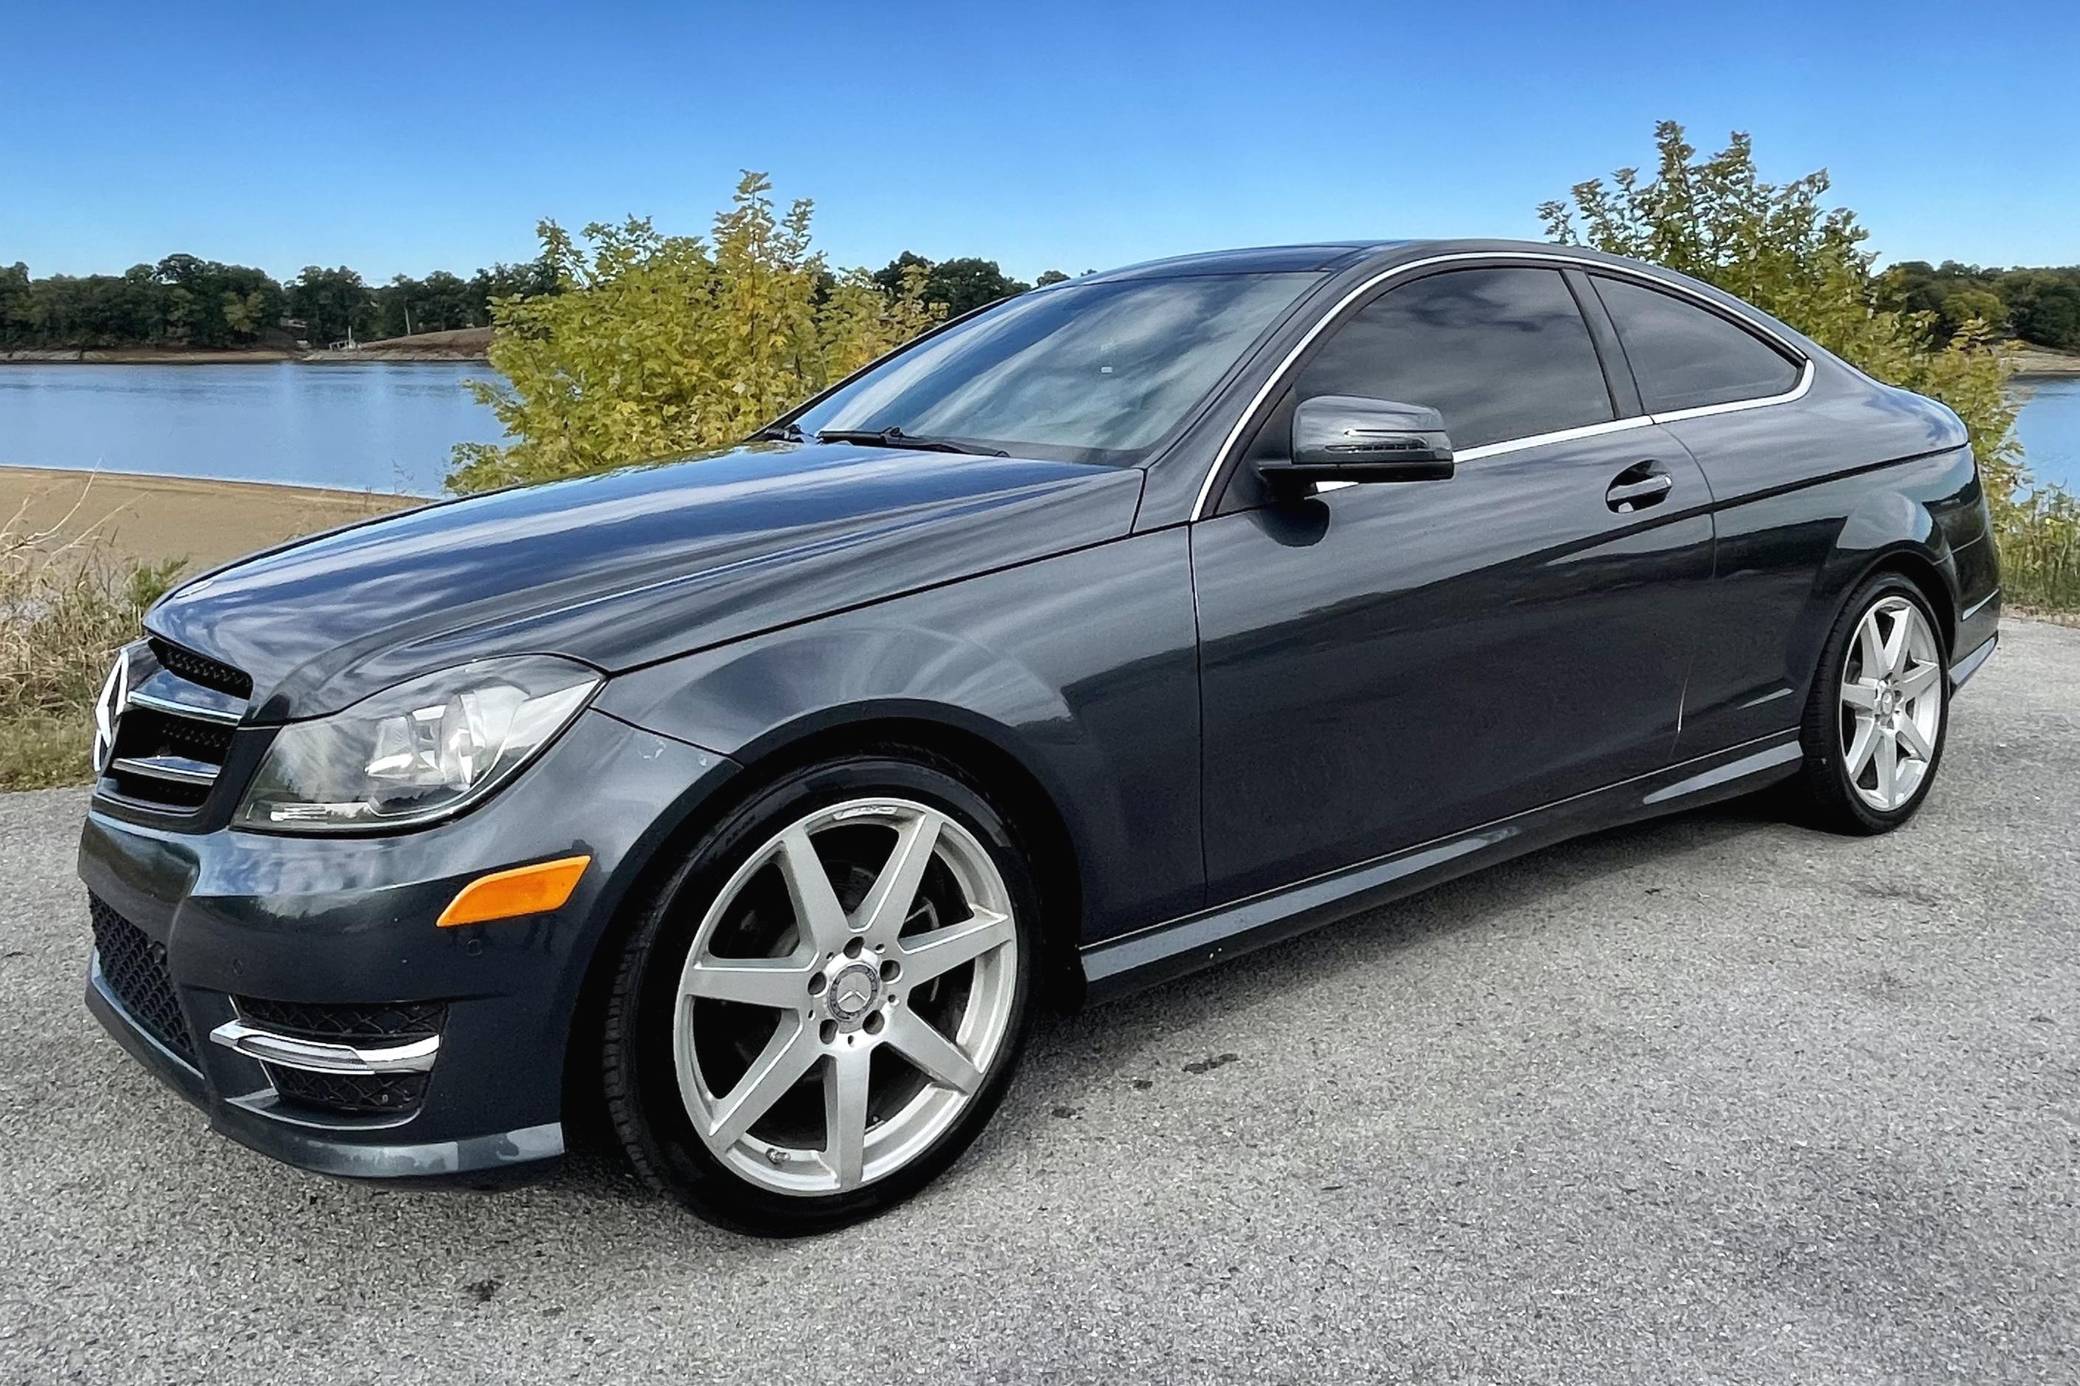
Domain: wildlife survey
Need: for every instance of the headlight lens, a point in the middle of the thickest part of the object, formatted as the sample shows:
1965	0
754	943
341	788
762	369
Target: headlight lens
416	752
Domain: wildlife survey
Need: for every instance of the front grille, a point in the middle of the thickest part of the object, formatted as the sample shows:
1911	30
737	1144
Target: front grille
135	969
350	1094
199	668
366	1027
164	758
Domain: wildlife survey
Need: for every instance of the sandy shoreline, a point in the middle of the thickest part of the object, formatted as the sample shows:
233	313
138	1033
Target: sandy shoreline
2041	363
159	517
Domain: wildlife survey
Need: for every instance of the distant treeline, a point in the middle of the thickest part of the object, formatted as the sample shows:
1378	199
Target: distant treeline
185	301
2037	305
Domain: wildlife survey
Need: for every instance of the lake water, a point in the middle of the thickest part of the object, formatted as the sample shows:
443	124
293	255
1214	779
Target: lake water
2049	426
375	426
388	426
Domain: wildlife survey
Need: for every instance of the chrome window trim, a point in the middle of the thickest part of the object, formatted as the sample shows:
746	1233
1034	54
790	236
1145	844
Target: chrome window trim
1805	383
1503	258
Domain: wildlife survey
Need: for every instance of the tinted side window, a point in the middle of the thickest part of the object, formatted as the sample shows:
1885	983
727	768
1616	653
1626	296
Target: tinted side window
1501	353
1684	357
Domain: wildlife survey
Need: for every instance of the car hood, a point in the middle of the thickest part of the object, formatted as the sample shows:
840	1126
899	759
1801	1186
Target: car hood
630	566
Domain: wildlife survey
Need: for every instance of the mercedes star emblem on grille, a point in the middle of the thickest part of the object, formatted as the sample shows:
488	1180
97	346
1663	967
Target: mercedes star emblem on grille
108	711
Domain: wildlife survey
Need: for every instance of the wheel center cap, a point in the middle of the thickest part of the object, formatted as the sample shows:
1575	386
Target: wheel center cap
853	992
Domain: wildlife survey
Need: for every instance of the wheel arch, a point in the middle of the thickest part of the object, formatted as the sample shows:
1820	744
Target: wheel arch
1887	532
943	737
1936	587
971	748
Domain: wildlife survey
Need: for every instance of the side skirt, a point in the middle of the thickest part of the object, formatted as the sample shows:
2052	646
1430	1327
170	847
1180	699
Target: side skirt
1117	967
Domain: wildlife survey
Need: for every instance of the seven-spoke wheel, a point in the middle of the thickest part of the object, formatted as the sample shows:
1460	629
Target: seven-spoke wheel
1874	724
892	996
1892	704
821	1010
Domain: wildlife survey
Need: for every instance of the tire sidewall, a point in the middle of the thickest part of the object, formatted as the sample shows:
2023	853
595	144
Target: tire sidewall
659	1130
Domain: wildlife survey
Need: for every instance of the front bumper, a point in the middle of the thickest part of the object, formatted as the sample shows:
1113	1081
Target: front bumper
236	921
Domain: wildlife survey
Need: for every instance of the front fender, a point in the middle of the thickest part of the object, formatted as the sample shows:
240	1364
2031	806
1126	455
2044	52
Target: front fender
1082	669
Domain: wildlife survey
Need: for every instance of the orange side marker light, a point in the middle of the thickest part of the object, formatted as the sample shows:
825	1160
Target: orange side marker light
520	890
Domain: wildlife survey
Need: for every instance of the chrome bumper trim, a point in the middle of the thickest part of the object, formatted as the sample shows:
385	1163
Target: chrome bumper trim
316	1056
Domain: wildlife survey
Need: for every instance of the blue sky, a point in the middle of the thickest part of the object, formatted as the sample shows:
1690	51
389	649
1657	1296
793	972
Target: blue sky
407	138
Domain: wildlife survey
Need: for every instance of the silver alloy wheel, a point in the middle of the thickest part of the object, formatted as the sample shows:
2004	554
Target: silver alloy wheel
845	985
1891	703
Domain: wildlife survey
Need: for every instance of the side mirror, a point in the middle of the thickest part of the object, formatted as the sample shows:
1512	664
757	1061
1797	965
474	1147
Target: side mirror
1349	438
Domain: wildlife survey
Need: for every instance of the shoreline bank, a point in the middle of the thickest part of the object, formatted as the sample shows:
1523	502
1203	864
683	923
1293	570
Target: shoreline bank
258	356
154	518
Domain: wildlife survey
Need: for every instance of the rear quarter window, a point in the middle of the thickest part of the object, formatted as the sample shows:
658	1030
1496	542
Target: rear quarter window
1686	357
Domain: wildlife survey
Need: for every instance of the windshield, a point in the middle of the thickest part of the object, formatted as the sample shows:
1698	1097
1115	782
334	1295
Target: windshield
1086	372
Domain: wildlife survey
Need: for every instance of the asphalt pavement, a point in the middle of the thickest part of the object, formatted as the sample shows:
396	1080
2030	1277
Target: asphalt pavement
1712	1098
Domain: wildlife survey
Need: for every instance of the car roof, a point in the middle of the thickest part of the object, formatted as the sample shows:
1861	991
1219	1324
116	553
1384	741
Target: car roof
1323	257
1263	259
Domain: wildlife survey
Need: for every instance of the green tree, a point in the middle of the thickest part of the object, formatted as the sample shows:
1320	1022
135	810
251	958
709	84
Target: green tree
659	344
1779	248
1047	277
1966	306
331	303
2052	316
963	284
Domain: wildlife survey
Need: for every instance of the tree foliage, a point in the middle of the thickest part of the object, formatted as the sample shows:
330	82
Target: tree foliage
962	284
181	301
662	344
1779	248
2038	305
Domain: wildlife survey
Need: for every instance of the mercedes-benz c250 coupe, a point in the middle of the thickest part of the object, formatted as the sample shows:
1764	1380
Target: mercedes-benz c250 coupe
753	802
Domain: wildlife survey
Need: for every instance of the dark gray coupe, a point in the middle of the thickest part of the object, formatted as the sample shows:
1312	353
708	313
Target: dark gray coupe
755	800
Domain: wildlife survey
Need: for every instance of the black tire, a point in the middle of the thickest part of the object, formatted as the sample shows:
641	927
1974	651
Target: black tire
640	1082
1824	793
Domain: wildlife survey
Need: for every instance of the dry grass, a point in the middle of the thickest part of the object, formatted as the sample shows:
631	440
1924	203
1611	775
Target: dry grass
67	604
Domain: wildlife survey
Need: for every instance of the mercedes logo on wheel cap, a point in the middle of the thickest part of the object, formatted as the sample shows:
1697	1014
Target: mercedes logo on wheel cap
108	711
853	992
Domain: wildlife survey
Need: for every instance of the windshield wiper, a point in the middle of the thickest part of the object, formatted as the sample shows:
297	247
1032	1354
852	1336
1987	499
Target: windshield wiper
779	433
894	437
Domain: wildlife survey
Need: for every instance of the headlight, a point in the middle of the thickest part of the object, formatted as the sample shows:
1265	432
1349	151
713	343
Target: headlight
416	752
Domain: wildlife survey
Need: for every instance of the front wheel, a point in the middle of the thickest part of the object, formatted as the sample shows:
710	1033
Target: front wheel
824	1007
1876	718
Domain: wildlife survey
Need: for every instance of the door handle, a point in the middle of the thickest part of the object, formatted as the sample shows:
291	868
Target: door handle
1638	487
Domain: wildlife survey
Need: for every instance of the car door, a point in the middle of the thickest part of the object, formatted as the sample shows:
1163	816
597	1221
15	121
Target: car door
1707	377
1383	664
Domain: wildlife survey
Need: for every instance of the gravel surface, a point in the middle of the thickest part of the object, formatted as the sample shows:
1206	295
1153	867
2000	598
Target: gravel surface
1710	1098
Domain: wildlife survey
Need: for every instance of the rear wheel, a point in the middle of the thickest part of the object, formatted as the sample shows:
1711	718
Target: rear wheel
825	1006
1878	712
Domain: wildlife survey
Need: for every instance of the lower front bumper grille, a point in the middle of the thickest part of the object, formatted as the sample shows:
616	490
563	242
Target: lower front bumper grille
350	1094
135	969
340	1060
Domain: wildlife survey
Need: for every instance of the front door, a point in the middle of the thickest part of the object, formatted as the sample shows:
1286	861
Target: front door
1384	664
